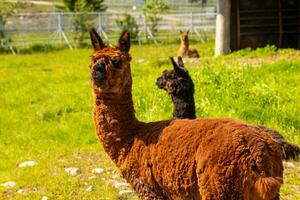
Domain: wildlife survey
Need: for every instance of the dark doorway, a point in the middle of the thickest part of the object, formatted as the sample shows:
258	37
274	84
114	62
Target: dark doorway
256	23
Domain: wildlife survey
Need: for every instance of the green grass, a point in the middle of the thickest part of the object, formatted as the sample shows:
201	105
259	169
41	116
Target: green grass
46	109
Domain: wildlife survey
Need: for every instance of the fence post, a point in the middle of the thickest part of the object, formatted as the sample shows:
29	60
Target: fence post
99	21
100	28
60	32
192	21
59	24
145	26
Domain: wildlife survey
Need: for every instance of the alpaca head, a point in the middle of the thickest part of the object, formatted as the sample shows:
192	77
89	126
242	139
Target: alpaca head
177	81
110	66
184	36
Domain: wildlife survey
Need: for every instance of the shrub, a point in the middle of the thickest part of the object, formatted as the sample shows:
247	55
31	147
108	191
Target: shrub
152	9
128	22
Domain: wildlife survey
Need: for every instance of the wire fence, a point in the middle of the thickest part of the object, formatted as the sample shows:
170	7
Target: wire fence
26	29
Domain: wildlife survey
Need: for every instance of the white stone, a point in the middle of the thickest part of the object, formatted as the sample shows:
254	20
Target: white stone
122	185
92	177
73	171
29	163
115	176
8	184
125	192
290	165
90	188
98	170
44	198
140	60
20	191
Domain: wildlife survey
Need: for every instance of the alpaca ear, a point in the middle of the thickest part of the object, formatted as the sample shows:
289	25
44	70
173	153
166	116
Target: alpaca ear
179	68
180	31
96	40
124	42
180	62
174	63
188	31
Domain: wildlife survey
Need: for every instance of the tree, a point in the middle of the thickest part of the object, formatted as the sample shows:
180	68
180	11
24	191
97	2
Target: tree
7	9
128	22
152	9
84	5
95	5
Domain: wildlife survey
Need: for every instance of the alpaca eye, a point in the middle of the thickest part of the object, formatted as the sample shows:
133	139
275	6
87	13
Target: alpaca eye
116	63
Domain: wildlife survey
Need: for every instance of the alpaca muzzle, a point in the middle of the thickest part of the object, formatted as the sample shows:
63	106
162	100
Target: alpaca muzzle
99	73
160	82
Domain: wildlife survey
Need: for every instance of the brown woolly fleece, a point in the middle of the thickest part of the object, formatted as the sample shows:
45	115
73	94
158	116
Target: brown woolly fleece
185	49
180	86
177	159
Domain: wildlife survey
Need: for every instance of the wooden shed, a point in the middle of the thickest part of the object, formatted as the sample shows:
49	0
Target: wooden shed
256	23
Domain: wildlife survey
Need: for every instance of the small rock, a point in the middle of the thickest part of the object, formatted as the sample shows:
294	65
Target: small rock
122	185
140	60
125	192
92	177
44	198
8	184
290	165
98	170
73	171
29	163
90	188
20	191
115	176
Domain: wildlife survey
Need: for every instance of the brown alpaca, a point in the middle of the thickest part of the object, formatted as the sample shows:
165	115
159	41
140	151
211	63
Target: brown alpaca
177	159
180	86
185	49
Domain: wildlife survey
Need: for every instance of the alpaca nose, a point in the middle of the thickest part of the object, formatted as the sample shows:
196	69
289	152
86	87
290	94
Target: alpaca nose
99	71
159	83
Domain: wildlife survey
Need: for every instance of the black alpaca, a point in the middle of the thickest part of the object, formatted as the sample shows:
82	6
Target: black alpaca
179	85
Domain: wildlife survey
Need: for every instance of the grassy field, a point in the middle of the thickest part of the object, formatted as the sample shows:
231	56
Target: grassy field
46	115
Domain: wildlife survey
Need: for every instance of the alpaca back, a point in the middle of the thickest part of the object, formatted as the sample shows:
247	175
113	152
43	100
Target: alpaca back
239	162
189	52
225	158
193	53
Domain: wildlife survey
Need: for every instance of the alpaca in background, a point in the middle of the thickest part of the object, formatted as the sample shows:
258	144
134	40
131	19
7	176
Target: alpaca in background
185	49
177	159
179	85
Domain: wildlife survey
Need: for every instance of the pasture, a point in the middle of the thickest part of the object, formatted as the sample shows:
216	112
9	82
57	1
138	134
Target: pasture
46	112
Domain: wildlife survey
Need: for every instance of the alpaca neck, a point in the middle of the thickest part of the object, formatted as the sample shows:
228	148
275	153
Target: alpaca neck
115	125
184	107
185	44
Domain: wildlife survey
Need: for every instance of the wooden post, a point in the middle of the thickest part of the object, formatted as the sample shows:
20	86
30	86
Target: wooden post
222	43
